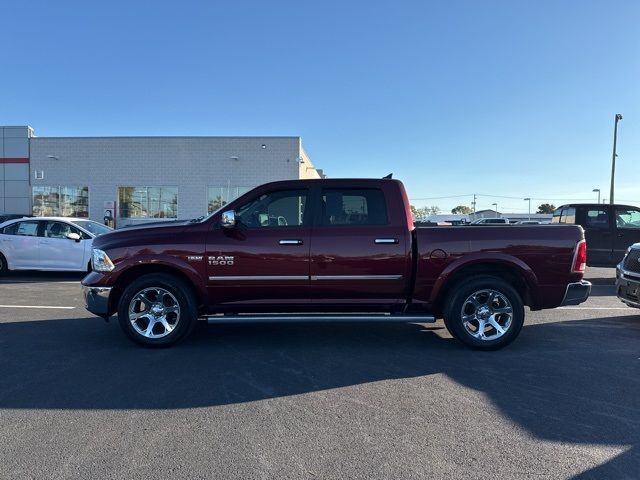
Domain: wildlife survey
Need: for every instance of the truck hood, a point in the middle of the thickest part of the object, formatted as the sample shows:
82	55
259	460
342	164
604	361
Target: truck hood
148	233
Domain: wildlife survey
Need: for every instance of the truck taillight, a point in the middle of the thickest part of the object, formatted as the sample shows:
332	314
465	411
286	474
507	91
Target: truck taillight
580	257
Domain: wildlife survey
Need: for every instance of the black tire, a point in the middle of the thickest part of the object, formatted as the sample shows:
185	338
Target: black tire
479	288
179	293
3	265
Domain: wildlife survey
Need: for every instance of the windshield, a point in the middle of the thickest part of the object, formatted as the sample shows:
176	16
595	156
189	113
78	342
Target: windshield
93	227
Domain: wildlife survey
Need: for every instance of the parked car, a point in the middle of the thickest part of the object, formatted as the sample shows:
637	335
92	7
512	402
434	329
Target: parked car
628	277
609	229
48	243
528	222
491	221
331	250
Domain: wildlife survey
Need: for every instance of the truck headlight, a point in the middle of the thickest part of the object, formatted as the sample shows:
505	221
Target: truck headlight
100	261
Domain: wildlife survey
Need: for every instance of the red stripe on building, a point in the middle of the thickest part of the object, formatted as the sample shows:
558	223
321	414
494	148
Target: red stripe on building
14	160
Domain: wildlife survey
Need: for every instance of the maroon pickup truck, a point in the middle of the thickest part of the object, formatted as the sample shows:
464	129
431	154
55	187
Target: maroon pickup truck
332	250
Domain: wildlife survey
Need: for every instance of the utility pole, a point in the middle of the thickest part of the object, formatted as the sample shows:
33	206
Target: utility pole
597	190
529	200
496	205
474	203
613	157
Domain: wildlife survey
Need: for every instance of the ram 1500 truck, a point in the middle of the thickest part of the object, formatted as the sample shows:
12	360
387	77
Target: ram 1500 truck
332	250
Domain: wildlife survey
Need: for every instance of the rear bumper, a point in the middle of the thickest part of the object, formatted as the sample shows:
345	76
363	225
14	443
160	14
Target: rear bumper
628	287
576	293
96	300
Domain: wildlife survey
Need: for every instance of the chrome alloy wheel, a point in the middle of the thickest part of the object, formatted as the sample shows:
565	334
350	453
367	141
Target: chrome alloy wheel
487	315
154	312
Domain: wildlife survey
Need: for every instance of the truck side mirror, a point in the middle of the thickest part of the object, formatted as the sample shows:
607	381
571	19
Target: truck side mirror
229	219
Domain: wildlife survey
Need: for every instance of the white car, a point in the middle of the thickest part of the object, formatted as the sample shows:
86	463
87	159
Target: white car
48	243
491	221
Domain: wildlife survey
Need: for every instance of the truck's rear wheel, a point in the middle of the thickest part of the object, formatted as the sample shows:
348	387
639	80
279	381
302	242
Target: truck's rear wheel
157	310
485	313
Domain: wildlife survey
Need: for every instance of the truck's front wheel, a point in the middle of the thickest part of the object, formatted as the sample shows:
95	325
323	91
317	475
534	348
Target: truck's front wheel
157	310
485	313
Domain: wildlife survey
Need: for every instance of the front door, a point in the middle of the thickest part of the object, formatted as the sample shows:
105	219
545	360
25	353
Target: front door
627	221
57	251
264	259
359	250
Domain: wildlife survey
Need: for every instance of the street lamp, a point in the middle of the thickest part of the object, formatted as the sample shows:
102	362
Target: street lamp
496	205
613	157
528	200
597	190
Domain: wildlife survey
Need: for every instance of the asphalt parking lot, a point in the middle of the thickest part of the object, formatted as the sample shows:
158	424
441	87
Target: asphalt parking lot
77	400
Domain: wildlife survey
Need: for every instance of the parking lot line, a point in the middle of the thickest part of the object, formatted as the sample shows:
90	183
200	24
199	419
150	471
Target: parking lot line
593	308
36	306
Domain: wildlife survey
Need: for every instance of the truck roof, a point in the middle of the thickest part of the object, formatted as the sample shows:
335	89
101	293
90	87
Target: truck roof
595	205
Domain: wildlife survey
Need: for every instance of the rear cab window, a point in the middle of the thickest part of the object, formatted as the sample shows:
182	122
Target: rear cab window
564	215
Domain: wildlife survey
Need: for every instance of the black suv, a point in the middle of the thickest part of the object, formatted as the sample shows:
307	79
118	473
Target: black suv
608	229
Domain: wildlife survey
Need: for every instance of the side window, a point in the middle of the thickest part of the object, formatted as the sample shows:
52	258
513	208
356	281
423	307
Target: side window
11	229
60	230
25	229
568	215
284	208
627	218
596	218
351	206
556	215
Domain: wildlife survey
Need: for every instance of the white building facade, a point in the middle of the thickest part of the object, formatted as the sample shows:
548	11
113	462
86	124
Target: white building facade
141	179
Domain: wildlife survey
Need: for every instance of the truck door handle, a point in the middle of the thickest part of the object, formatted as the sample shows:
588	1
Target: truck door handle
290	242
386	241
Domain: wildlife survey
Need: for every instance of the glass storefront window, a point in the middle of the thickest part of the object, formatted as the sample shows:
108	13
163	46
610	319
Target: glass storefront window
60	201
218	197
148	202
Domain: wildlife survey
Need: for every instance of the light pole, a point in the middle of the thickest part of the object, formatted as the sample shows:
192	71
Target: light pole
496	205
597	190
613	157
528	200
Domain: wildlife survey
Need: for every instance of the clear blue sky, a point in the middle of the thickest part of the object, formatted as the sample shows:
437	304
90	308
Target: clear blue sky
508	98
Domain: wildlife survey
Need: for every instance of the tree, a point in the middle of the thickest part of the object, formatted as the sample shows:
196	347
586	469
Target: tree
462	210
424	211
546	208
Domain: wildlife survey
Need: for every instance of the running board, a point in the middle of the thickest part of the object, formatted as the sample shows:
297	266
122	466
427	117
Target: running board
314	317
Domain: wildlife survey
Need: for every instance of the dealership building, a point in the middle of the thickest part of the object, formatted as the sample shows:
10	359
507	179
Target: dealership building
138	179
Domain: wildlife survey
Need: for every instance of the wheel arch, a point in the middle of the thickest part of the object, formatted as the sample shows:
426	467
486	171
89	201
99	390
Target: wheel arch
519	276
145	269
6	260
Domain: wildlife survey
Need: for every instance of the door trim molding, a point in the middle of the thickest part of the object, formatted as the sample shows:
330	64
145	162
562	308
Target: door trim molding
253	278
356	277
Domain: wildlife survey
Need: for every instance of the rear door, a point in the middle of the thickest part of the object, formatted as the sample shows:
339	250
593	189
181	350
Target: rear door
264	260
19	243
597	224
359	247
627	221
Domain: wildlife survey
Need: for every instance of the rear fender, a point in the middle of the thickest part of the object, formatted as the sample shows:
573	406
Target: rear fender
488	259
